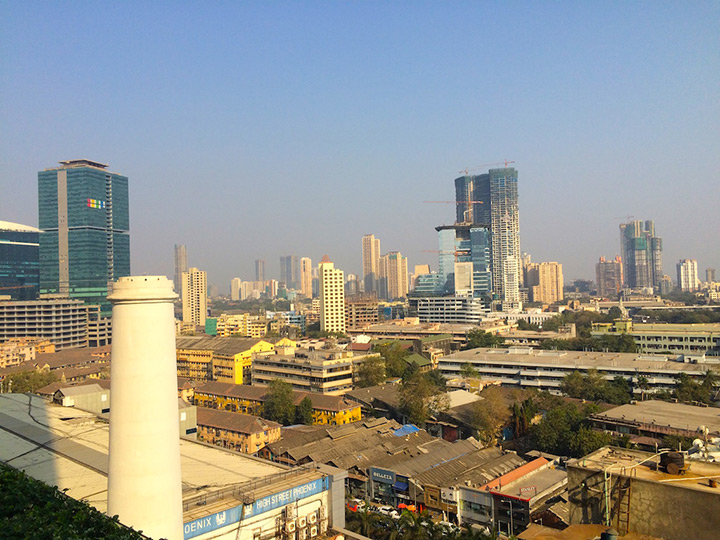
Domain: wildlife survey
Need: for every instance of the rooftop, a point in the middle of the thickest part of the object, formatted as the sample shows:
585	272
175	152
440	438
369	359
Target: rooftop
239	423
16	227
220	345
662	413
68	448
83	163
643	465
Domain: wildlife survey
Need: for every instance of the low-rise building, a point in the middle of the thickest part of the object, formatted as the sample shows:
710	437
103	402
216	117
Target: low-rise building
332	410
240	432
631	491
694	340
16	351
203	358
546	369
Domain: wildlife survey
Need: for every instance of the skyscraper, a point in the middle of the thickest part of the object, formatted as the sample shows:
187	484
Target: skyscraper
371	262
180	266
85	242
609	277
259	270
394	275
641	254
332	297
491	201
194	296
687	275
306	277
290	271
545	281
710	275
19	267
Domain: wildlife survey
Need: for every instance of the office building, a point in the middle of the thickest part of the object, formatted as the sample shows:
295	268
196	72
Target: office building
180	266
710	275
371	262
290	272
361	311
259	270
352	285
194	296
462	243
641	254
19	266
545	281
306	269
65	323
687	275
609	277
332	297
490	201
84	218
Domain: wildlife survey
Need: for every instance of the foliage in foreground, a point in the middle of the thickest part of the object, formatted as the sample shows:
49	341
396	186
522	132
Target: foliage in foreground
28	381
31	509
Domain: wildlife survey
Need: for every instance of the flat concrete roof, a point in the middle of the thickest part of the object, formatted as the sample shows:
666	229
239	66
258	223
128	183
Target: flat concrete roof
643	466
581	360
662	413
68	448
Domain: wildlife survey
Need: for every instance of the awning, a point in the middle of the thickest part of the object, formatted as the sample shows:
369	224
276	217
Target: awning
401	486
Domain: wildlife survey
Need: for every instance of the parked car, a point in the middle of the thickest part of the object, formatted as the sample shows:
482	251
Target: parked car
355	505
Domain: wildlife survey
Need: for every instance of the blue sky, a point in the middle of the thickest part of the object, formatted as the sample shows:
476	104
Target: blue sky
260	129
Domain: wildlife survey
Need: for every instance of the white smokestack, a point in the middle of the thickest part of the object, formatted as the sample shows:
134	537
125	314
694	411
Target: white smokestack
144	480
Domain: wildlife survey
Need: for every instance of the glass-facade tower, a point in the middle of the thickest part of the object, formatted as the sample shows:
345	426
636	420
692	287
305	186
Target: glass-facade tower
19	267
85	243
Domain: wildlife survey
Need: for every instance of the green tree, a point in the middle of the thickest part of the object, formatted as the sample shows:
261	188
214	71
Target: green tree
371	372
643	384
479	338
393	354
564	431
304	412
28	381
522	416
467	371
279	403
420	399
489	415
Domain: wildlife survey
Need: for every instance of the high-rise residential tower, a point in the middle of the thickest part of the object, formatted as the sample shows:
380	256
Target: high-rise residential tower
332	297
710	275
306	269
641	254
545	281
84	218
394	275
180	266
371	262
609	277
194	296
259	270
687	275
290	271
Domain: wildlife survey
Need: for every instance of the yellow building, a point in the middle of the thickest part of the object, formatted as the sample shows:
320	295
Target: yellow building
222	359
232	325
545	281
331	410
239	432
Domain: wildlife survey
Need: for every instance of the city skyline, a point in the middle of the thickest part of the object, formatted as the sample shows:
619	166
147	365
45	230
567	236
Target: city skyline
356	114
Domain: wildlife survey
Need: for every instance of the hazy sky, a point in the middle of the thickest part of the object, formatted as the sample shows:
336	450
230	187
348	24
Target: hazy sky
259	129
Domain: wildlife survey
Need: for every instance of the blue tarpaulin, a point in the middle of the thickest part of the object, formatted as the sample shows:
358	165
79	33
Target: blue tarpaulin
407	429
401	486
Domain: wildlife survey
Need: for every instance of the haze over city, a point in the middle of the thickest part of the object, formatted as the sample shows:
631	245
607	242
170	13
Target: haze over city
260	130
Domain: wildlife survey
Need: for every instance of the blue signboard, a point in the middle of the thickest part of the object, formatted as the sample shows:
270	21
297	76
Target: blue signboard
383	476
234	515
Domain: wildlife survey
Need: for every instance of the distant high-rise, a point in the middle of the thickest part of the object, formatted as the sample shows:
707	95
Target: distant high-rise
194	296
687	275
235	284
609	277
306	269
180	266
85	243
19	267
332	297
371	262
393	275
641	254
290	272
710	275
545	281
259	270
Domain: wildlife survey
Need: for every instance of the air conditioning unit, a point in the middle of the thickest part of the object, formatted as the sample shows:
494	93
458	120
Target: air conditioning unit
290	536
323	513
313	532
290	512
290	526
312	518
323	527
302	534
302	522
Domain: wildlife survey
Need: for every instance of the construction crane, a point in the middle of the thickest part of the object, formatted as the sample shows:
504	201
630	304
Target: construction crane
485	165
